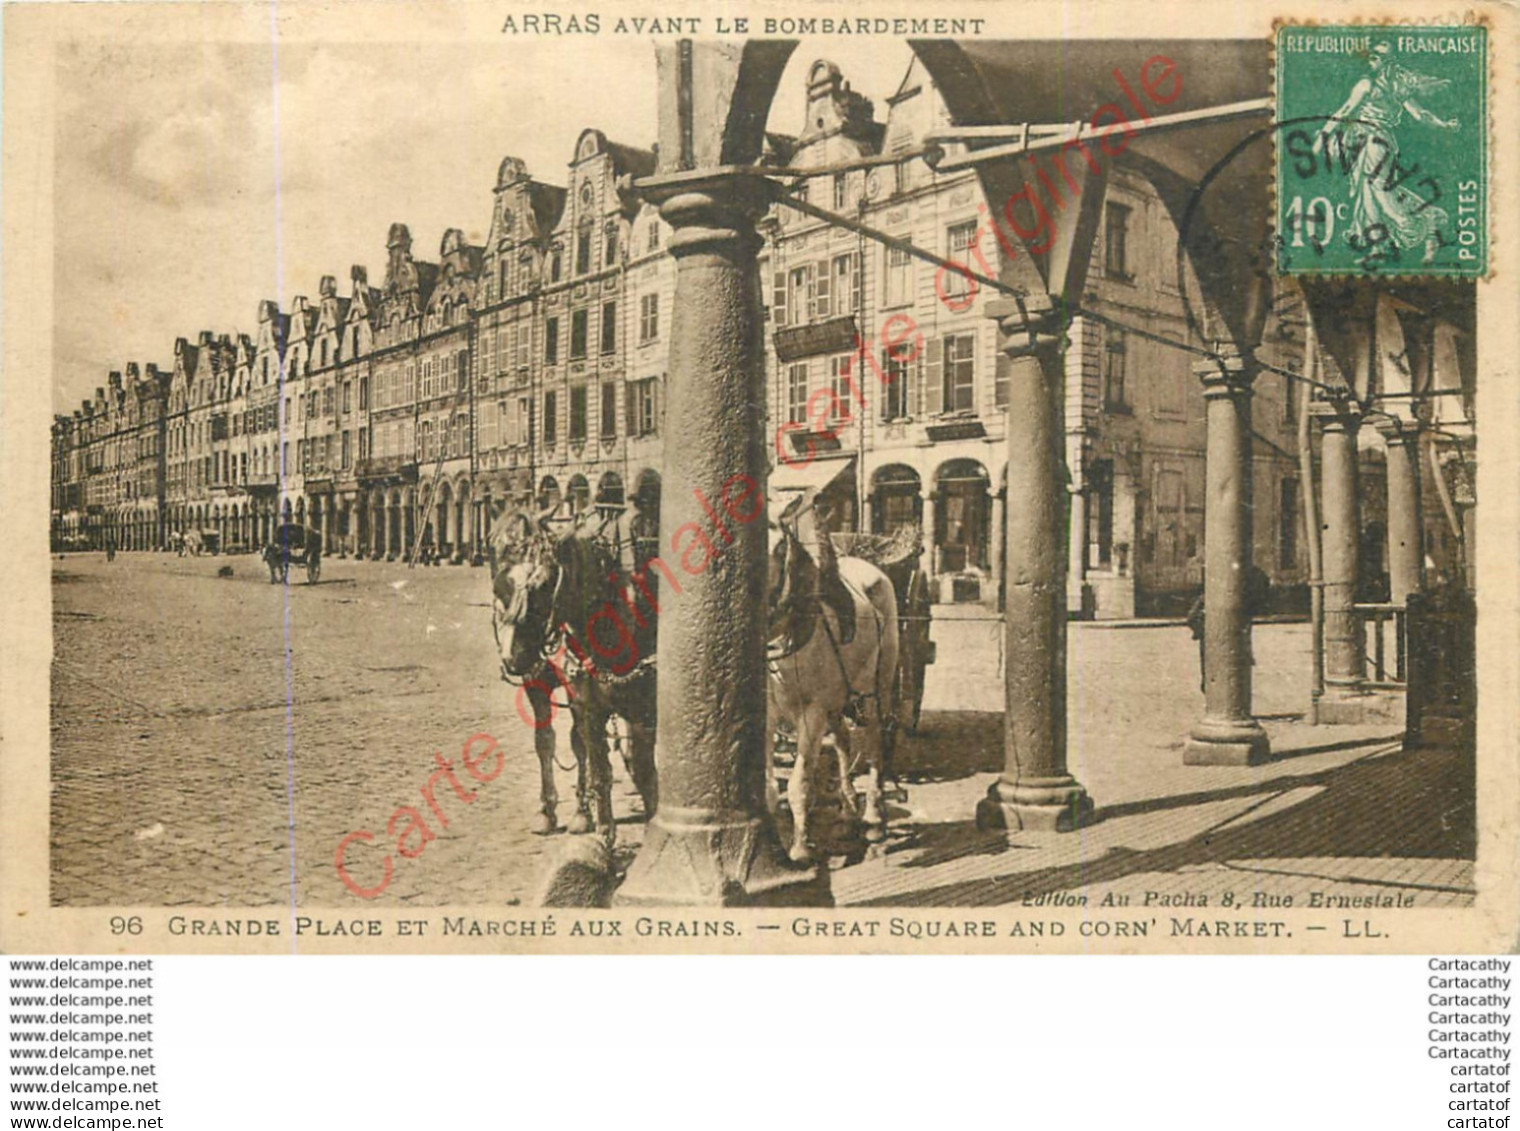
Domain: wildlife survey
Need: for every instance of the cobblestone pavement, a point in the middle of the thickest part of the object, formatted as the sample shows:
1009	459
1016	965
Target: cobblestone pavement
214	740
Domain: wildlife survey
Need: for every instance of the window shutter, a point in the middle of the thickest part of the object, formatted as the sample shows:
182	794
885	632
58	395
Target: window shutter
631	408
934	383
1003	368
857	280
821	307
778	297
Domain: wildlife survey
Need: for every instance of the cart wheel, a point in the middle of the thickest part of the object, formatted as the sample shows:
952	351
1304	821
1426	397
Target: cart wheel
313	570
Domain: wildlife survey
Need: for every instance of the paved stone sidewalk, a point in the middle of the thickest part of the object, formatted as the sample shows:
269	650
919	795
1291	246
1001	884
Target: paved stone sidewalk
214	740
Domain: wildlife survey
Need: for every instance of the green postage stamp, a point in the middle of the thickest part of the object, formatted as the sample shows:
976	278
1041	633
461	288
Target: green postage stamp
1382	150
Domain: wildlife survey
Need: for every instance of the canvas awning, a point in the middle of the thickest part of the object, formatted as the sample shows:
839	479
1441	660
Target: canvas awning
789	481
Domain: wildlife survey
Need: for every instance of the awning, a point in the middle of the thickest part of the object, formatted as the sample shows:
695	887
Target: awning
815	475
789	481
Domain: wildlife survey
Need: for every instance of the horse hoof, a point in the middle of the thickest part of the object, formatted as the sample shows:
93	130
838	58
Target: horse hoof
580	823
800	854
542	824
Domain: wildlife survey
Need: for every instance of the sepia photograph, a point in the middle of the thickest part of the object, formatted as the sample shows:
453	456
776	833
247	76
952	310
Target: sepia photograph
815	480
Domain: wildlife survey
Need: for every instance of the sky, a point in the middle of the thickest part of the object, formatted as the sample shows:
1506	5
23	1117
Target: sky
194	179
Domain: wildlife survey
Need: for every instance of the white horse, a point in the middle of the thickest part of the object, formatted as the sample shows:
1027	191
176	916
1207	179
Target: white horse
818	682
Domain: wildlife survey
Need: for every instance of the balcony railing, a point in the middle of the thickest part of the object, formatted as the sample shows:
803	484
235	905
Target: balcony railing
380	467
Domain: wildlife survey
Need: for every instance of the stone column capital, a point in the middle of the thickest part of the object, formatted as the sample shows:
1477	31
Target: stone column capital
1396	431
1030	326
710	206
1227	374
1336	415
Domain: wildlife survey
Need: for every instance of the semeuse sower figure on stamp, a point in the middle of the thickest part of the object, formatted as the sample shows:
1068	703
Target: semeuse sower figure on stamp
1366	123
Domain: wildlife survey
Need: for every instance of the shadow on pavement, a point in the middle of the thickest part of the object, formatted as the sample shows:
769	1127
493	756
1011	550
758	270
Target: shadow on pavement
1404	804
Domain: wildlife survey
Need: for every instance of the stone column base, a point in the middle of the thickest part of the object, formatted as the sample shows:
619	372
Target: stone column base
1058	805
1360	706
701	858
1232	743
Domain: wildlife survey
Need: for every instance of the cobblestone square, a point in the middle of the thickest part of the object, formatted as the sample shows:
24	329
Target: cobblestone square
214	739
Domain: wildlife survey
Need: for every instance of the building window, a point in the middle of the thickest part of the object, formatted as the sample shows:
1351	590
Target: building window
958	241
654	235
1100	476
1287	525
1116	242
610	245
583	251
840	187
551	341
523	430
609	327
800	296
960	370
551	417
899	281
327	401
842	385
894	376
797	393
1290	398
578	323
577	413
641	408
847	283
348	397
556	264
1000	371
1115	392
649	317
609	410
348	452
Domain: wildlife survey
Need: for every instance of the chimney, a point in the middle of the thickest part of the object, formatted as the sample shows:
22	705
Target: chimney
328	287
134	374
204	338
359	275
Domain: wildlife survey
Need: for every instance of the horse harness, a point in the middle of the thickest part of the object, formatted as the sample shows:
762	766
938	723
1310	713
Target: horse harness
795	642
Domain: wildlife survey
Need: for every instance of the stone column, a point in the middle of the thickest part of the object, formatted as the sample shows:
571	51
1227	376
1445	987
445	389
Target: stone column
1406	548
1076	574
926	557
1035	790
1227	735
710	842
1345	658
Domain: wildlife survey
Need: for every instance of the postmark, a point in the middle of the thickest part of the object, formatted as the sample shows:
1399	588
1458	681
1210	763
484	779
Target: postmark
1382	150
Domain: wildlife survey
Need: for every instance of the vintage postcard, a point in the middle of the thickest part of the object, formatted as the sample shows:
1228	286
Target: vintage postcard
956	478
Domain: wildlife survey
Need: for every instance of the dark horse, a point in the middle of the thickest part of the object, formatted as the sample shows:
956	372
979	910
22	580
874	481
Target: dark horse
568	629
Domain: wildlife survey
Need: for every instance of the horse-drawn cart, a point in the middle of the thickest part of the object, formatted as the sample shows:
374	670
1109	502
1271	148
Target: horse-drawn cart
294	544
897	555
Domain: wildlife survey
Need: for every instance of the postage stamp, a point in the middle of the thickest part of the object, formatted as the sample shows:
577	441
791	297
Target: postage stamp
1382	156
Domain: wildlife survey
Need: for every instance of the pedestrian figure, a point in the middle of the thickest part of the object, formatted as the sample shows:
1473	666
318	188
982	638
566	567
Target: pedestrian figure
1258	597
110	548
